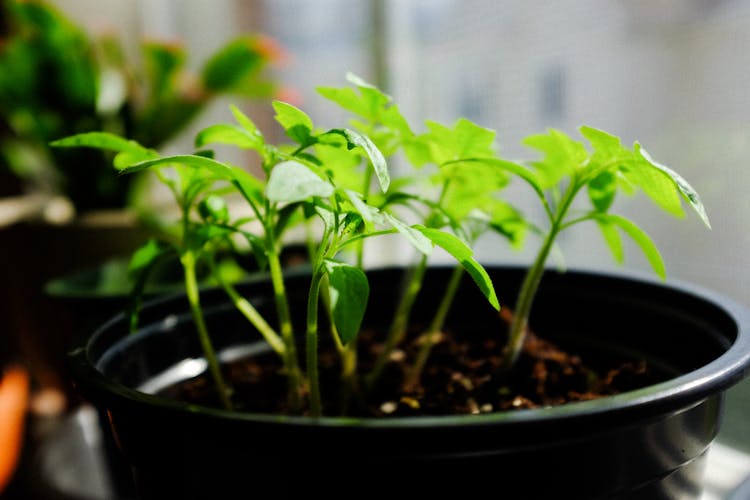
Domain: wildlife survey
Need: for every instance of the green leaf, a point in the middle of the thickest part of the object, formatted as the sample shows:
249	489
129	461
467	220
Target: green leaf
464	140
412	235
340	164
612	239
349	291
471	186
464	256
346	98
218	169
655	183
246	123
129	151
377	160
228	134
214	208
146	255
562	156
602	190
368	104
291	181
690	194
514	168
604	143
368	212
296	123
640	237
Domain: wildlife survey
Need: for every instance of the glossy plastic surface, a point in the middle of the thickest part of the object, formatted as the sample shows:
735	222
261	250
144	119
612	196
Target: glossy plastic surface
649	443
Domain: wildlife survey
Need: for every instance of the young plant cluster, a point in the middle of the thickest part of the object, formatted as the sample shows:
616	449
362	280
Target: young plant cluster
337	182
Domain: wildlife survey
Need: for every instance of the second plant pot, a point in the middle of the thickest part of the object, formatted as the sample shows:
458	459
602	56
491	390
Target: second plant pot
646	443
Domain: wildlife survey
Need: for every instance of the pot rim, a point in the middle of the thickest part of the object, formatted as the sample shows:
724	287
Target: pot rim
673	395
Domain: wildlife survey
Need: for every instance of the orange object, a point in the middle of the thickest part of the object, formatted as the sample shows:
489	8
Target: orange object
14	397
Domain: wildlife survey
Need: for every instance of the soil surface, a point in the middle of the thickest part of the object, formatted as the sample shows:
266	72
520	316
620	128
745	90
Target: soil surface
460	377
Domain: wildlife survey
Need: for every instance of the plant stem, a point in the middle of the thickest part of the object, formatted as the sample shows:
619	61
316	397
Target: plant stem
312	344
398	328
530	285
287	333
429	338
255	318
191	287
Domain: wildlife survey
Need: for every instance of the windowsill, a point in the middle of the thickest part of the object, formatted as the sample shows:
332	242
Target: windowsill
726	469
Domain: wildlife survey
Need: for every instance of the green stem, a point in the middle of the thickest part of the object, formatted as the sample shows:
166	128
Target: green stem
530	285
191	287
429	338
287	332
399	326
255	318
316	407
365	194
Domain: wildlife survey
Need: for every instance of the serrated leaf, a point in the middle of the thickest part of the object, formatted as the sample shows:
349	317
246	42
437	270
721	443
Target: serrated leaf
348	290
464	256
562	156
690	194
471	186
602	141
655	183
464	140
296	123
640	237
291	181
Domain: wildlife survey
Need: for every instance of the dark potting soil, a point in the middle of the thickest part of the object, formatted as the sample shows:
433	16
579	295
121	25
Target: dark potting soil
459	378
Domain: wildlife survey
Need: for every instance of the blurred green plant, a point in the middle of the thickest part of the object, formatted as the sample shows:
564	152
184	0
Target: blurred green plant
57	80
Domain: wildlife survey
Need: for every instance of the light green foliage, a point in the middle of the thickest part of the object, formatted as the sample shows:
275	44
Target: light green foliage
291	182
566	168
324	179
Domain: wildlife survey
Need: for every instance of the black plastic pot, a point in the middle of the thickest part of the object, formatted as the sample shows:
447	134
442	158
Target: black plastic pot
648	443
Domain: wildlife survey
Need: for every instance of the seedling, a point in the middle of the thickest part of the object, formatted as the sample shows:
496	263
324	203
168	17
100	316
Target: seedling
337	182
297	180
